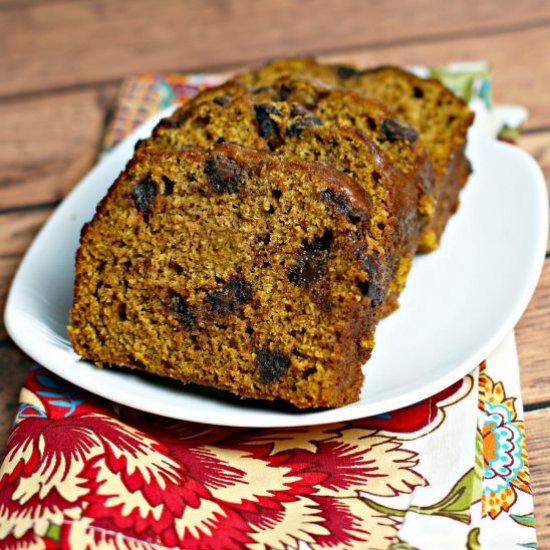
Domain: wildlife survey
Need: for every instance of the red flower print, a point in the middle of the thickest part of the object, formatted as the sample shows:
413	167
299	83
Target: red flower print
105	480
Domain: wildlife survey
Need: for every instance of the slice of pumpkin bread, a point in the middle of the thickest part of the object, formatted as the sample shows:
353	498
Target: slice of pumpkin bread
441	118
231	268
291	131
346	107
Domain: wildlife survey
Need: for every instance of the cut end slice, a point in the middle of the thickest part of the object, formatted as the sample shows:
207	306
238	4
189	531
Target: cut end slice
231	269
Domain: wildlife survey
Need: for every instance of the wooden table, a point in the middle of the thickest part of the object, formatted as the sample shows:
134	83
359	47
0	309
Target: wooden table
61	62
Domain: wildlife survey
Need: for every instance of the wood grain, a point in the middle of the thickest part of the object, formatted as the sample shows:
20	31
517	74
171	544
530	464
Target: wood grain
73	43
15	367
48	143
8	267
18	229
538	145
533	342
538	443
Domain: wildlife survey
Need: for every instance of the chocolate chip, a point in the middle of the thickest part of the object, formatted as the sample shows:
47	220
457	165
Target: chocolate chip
173	122
176	267
308	120
230	297
224	174
138	144
364	287
268	126
122	313
222	100
260	89
345	71
418	92
469	167
298	109
357	216
340	201
266	239
312	261
342	204
144	193
284	91
182	311
168	185
393	130
372	287
271	365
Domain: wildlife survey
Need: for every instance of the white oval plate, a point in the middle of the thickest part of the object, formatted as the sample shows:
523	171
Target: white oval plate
460	301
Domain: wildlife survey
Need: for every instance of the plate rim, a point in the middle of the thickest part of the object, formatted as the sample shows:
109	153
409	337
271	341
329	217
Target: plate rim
284	419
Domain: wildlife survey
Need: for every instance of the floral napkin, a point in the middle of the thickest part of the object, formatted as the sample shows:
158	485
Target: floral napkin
447	472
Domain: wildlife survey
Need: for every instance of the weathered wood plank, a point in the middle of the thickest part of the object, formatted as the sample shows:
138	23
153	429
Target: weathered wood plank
533	343
48	143
538	443
14	367
18	229
8	267
538	145
56	44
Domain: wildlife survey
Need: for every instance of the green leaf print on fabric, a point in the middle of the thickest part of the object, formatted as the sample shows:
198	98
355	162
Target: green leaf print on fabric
53	532
456	505
528	520
473	540
402	546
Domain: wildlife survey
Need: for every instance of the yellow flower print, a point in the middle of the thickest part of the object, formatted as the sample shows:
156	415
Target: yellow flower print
505	464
